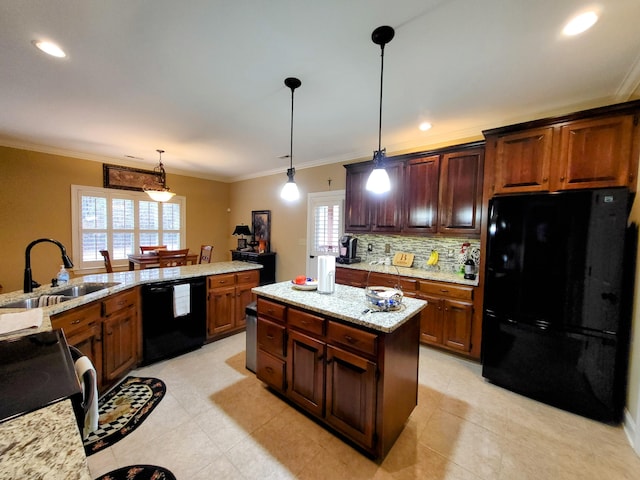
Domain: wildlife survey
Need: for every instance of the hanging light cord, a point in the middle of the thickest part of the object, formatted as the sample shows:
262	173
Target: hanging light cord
380	112
291	138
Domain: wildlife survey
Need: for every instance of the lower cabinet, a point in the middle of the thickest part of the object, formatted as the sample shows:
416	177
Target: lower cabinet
107	331
359	382
228	296
447	319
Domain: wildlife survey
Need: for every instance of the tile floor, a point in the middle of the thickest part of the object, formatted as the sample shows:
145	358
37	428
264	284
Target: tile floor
218	422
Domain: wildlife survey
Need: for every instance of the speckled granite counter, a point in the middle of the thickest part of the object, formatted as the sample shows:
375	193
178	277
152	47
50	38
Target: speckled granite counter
46	443
346	303
412	272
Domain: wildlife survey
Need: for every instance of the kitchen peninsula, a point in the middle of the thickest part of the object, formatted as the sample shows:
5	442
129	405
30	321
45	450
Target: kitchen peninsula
46	442
353	369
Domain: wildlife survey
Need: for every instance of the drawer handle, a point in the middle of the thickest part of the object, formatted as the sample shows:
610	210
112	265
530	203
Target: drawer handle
350	339
75	322
442	290
270	337
269	370
270	311
305	322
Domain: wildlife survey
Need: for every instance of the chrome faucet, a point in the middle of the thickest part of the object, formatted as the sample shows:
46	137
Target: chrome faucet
29	284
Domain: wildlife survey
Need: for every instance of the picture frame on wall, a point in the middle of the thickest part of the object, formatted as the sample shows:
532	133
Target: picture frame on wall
128	178
261	223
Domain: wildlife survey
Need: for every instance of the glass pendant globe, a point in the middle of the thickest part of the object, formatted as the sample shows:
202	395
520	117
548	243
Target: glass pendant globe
378	181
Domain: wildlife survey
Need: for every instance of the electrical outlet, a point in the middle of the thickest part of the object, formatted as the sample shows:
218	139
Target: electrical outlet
450	253
370	247
387	248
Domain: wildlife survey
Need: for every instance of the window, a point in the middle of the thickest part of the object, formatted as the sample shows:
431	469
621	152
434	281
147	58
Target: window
120	221
324	227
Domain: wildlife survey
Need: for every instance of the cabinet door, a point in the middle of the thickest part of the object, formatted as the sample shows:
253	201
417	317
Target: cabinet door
386	211
460	203
243	298
431	320
351	395
523	161
305	372
89	341
120	343
421	195
595	153
457	325
221	305
356	206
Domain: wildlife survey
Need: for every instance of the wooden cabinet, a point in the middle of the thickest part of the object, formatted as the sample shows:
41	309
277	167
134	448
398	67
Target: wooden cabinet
361	383
351	277
447	319
432	192
227	297
421	195
460	202
108	332
267	260
120	334
592	149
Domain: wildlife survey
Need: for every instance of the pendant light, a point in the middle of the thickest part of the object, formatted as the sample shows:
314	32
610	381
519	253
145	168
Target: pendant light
159	193
378	181
290	190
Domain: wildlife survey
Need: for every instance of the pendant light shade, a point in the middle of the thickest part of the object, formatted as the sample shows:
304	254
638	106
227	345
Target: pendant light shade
378	181
159	191
290	191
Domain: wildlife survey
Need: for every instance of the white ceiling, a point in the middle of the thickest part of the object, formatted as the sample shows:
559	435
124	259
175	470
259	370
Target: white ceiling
203	79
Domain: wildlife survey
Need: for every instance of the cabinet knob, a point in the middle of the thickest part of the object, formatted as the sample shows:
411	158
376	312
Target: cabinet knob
562	179
545	180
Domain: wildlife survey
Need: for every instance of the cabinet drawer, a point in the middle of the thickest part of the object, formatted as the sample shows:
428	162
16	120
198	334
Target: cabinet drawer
271	310
77	318
271	370
389	280
250	276
118	302
447	290
355	278
357	339
226	280
271	337
305	321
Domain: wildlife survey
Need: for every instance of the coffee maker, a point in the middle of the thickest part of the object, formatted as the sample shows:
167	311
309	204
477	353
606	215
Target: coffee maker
348	247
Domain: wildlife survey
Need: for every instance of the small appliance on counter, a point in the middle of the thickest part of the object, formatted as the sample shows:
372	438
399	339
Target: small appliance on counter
348	247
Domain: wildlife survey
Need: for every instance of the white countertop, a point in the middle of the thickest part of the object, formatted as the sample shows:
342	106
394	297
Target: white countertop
46	443
346	303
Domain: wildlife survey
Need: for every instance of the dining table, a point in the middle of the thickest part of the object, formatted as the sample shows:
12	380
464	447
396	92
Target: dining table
150	259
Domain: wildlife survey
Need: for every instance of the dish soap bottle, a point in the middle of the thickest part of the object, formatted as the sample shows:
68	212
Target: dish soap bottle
63	276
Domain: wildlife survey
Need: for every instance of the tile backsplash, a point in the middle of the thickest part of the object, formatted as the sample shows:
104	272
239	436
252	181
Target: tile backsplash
448	249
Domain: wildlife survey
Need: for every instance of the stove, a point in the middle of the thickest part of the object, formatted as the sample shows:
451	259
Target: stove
35	371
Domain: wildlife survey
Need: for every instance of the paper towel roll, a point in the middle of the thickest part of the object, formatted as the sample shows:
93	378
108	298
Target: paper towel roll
326	273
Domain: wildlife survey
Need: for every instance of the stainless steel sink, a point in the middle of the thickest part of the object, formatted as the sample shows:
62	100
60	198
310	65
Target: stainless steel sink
69	293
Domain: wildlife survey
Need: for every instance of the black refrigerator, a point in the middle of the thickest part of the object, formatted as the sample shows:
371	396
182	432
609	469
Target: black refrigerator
556	305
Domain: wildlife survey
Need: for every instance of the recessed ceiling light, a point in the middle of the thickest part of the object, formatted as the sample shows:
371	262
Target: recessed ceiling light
424	126
49	48
580	23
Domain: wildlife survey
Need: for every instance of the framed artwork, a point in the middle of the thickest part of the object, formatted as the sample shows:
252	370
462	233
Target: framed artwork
261	222
127	178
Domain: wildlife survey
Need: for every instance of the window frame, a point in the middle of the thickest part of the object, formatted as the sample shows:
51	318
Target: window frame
78	191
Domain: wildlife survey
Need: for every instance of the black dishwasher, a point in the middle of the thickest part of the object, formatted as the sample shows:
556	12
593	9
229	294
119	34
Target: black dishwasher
165	334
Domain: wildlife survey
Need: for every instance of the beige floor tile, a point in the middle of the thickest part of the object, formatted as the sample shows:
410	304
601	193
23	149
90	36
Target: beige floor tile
218	421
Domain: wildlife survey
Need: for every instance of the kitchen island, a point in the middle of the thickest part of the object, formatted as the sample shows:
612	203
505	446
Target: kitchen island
353	369
46	442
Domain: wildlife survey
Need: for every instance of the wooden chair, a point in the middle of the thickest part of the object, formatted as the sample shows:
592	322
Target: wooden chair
206	252
172	258
152	248
107	260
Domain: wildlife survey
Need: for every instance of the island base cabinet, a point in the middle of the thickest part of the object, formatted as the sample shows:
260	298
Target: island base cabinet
361	383
351	395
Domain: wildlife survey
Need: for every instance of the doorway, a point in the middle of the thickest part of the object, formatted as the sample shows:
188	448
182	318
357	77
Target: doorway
325	224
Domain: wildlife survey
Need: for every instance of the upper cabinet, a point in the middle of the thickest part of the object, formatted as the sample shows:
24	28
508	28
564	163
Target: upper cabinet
591	149
433	192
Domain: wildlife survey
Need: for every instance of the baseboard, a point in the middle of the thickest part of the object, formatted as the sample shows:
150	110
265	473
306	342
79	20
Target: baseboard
631	430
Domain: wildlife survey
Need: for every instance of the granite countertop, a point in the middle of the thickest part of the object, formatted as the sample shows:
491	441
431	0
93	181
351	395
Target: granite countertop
346	303
26	449
414	272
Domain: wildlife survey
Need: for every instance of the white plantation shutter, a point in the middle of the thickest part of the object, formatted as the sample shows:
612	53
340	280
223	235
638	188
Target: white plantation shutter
120	221
327	228
325	223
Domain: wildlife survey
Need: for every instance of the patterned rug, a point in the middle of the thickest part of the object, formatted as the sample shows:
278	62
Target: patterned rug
139	472
123	409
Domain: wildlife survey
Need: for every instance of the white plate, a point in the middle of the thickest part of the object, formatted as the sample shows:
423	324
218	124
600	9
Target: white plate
306	286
